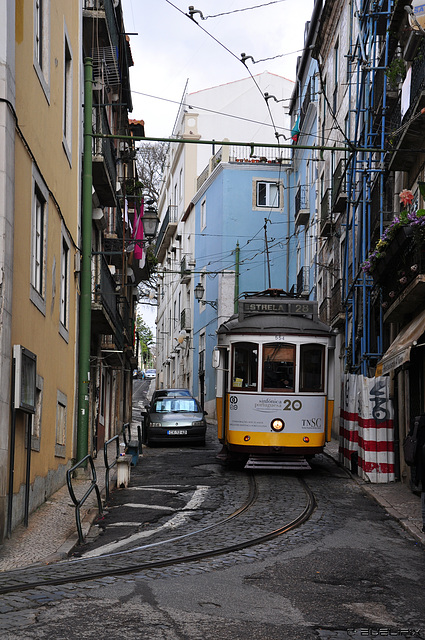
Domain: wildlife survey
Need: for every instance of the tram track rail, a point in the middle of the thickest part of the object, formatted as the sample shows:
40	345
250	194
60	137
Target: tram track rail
20	580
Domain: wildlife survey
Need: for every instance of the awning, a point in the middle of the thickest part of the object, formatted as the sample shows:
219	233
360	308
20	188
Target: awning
399	351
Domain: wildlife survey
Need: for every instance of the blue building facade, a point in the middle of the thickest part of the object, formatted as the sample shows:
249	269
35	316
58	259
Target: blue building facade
245	243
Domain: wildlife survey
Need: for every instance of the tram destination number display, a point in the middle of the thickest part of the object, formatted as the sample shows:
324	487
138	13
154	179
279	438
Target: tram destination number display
255	307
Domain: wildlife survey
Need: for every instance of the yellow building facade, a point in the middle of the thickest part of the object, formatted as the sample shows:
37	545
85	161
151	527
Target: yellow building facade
44	299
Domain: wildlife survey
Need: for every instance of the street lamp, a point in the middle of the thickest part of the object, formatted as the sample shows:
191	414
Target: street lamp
150	222
199	294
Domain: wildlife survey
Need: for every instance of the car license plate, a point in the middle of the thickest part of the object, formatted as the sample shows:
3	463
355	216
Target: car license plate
177	432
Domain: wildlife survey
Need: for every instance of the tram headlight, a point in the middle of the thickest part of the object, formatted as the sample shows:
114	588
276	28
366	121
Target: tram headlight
277	424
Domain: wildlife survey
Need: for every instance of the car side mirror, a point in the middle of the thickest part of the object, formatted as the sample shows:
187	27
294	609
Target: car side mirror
205	413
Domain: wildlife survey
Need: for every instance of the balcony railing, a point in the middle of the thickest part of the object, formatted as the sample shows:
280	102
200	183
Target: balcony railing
302	211
337	315
303	281
339	187
185	272
185	319
104	297
168	227
104	160
325	214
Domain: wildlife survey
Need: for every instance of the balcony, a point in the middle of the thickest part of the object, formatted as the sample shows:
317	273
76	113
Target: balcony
302	211
337	314
325	215
104	161
339	187
406	144
185	272
303	282
400	273
185	321
166	232
104	309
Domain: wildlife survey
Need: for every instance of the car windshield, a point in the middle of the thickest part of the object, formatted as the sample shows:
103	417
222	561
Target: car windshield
180	405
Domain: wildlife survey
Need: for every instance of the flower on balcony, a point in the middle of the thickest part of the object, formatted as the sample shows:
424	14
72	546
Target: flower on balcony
413	219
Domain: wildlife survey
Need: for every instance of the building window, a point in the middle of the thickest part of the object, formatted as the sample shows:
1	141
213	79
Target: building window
61	411
38	241
64	288
203	214
42	43
67	97
36	420
267	194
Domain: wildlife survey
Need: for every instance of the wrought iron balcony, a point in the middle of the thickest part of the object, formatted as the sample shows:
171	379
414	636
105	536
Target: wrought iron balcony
325	214
104	160
185	272
105	316
166	232
405	141
400	273
303	281
339	187
302	210
185	319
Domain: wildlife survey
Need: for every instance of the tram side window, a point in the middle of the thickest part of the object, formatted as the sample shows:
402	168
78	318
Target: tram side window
312	361
245	366
278	367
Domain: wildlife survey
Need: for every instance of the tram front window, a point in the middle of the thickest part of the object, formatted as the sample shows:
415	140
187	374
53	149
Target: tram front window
312	359
245	365
278	367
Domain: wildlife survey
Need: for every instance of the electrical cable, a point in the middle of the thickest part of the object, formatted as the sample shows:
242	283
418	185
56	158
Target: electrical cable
258	6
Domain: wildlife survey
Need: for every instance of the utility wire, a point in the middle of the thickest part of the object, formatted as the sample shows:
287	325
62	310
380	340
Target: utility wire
258	6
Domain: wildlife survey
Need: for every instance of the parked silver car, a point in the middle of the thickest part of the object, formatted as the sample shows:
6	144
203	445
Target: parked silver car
174	419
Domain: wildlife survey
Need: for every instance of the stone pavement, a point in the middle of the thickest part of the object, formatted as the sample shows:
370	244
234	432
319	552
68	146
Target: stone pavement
52	532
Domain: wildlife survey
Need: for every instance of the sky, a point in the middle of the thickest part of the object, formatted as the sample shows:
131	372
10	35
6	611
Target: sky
170	50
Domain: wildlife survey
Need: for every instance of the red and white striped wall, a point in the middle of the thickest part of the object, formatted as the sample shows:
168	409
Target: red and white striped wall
367	428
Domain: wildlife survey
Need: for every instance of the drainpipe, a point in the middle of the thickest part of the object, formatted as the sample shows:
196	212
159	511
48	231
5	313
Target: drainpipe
237	251
85	283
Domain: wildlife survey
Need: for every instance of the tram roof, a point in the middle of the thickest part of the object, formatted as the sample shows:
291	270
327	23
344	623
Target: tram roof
275	323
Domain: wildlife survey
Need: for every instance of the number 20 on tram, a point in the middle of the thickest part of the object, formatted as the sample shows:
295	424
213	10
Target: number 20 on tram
274	379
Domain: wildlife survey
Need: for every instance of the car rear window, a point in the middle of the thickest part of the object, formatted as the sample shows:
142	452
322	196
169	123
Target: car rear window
164	405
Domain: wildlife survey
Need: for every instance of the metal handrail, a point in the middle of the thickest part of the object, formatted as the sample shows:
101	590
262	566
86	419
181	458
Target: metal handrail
126	434
108	466
79	503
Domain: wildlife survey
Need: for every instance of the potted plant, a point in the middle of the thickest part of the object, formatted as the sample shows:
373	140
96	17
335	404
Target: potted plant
396	73
404	224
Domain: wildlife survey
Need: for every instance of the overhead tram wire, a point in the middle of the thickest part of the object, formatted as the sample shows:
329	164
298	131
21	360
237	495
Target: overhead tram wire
227	13
242	59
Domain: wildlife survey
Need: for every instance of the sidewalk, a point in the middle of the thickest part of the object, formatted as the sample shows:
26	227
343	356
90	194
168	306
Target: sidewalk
52	532
395	497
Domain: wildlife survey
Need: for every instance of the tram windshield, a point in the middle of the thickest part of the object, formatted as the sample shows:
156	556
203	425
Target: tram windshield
278	367
312	360
245	365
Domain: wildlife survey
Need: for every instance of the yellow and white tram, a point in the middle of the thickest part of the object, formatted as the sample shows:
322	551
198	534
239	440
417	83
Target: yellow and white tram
274	375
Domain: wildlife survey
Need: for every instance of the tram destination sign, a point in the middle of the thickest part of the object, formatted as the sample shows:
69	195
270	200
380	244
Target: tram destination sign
258	306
